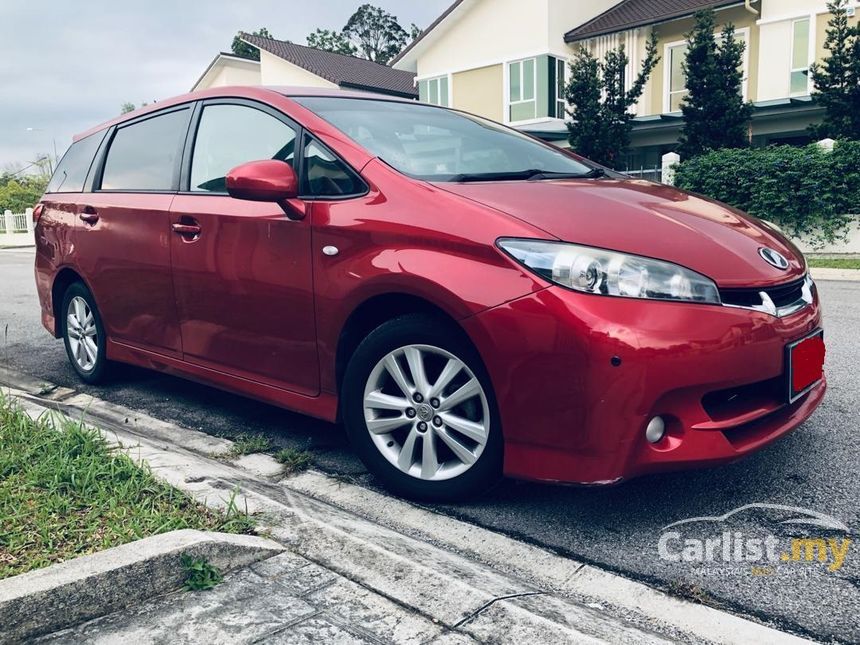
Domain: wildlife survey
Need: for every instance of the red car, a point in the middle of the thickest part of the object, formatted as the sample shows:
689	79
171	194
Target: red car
468	300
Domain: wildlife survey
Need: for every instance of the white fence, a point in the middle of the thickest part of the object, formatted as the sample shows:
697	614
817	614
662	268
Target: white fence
16	229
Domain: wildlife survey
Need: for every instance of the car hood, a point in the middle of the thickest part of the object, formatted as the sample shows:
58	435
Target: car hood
646	219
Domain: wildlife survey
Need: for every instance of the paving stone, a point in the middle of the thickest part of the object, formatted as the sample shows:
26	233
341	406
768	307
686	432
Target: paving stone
314	631
351	604
279	565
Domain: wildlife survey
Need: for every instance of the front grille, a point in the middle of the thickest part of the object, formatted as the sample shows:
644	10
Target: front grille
782	295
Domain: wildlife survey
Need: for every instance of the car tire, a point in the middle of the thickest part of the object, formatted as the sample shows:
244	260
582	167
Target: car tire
83	334
439	439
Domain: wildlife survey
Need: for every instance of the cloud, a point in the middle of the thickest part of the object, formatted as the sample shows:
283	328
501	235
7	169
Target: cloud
67	66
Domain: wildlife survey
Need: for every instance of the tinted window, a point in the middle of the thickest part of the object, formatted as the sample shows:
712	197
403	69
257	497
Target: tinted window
230	135
145	155
326	175
72	171
437	144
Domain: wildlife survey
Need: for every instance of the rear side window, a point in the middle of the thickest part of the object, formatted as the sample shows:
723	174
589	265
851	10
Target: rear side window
326	175
145	155
230	135
72	171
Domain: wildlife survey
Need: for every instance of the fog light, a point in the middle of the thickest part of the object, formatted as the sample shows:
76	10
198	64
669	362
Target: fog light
655	430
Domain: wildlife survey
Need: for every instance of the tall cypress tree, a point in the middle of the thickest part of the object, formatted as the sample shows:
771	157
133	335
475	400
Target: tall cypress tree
600	104
715	114
837	80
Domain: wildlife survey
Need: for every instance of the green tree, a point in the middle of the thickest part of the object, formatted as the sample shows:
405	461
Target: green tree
375	33
244	50
715	114
599	103
331	41
837	80
19	192
414	31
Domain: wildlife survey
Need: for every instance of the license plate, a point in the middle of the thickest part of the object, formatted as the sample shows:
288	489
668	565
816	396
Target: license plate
805	365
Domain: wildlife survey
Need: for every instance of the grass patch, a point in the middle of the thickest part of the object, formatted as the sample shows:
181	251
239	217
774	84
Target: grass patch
248	444
64	493
199	574
834	263
294	461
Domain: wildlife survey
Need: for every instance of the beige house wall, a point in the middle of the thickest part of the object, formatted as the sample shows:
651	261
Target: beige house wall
480	91
821	32
675	31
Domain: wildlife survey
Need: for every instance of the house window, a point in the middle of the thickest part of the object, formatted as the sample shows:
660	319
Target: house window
676	80
435	91
677	85
800	57
560	86
522	90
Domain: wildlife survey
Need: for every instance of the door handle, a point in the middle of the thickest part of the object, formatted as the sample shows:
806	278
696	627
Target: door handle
186	229
89	215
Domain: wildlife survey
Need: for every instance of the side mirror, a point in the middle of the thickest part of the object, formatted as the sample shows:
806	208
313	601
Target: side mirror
269	180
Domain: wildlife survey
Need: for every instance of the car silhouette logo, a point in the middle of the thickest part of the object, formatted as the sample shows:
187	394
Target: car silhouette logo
773	258
800	516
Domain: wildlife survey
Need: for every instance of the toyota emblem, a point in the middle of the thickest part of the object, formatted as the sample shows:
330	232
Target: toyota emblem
773	258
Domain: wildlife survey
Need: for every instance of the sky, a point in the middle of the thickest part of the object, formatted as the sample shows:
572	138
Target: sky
66	66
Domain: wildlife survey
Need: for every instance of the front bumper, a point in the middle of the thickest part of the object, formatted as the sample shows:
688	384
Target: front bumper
573	412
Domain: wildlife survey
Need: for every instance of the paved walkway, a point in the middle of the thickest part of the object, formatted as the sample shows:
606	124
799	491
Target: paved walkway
286	599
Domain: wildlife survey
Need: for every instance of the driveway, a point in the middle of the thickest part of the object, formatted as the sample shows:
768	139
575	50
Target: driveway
617	528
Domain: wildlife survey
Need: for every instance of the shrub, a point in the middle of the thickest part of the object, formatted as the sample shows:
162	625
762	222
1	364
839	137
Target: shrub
807	191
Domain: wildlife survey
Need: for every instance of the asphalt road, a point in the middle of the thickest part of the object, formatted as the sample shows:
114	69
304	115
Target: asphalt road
618	528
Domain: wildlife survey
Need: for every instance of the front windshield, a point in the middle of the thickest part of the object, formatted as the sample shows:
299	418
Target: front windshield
435	144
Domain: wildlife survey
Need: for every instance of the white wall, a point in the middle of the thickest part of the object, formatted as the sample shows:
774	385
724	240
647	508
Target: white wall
230	71
277	71
487	32
565	15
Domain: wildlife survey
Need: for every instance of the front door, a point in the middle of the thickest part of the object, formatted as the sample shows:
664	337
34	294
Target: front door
242	270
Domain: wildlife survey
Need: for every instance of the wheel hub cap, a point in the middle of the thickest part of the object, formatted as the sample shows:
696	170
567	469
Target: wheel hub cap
432	441
82	334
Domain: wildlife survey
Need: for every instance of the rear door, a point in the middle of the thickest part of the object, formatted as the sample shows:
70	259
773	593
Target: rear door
123	238
242	271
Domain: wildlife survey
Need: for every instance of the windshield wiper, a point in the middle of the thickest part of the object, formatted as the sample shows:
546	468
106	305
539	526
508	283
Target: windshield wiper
594	173
532	173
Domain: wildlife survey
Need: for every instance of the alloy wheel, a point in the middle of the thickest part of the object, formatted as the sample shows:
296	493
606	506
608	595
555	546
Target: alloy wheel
82	333
426	412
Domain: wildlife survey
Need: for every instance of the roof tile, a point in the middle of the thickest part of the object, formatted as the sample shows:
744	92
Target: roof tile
637	13
342	70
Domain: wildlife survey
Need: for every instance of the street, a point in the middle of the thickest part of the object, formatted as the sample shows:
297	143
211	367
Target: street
617	528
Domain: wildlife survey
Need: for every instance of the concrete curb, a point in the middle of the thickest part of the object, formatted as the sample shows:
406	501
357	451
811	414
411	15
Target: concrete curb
46	600
841	275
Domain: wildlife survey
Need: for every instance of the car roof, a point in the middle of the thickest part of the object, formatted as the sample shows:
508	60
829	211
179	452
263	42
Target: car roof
259	92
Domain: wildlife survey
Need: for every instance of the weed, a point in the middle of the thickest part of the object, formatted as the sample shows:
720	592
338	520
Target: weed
294	461
248	444
199	574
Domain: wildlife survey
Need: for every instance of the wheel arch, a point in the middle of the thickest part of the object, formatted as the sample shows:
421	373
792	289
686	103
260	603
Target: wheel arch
376	310
65	277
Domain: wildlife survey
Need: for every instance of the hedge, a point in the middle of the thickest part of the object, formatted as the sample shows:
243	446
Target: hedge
807	191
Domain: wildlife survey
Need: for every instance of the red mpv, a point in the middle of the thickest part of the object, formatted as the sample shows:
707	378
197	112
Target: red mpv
468	300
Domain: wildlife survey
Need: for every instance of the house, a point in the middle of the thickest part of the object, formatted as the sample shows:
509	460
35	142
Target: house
503	59
783	38
285	63
506	60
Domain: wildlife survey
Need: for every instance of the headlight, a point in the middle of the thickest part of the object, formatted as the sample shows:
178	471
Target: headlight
598	271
